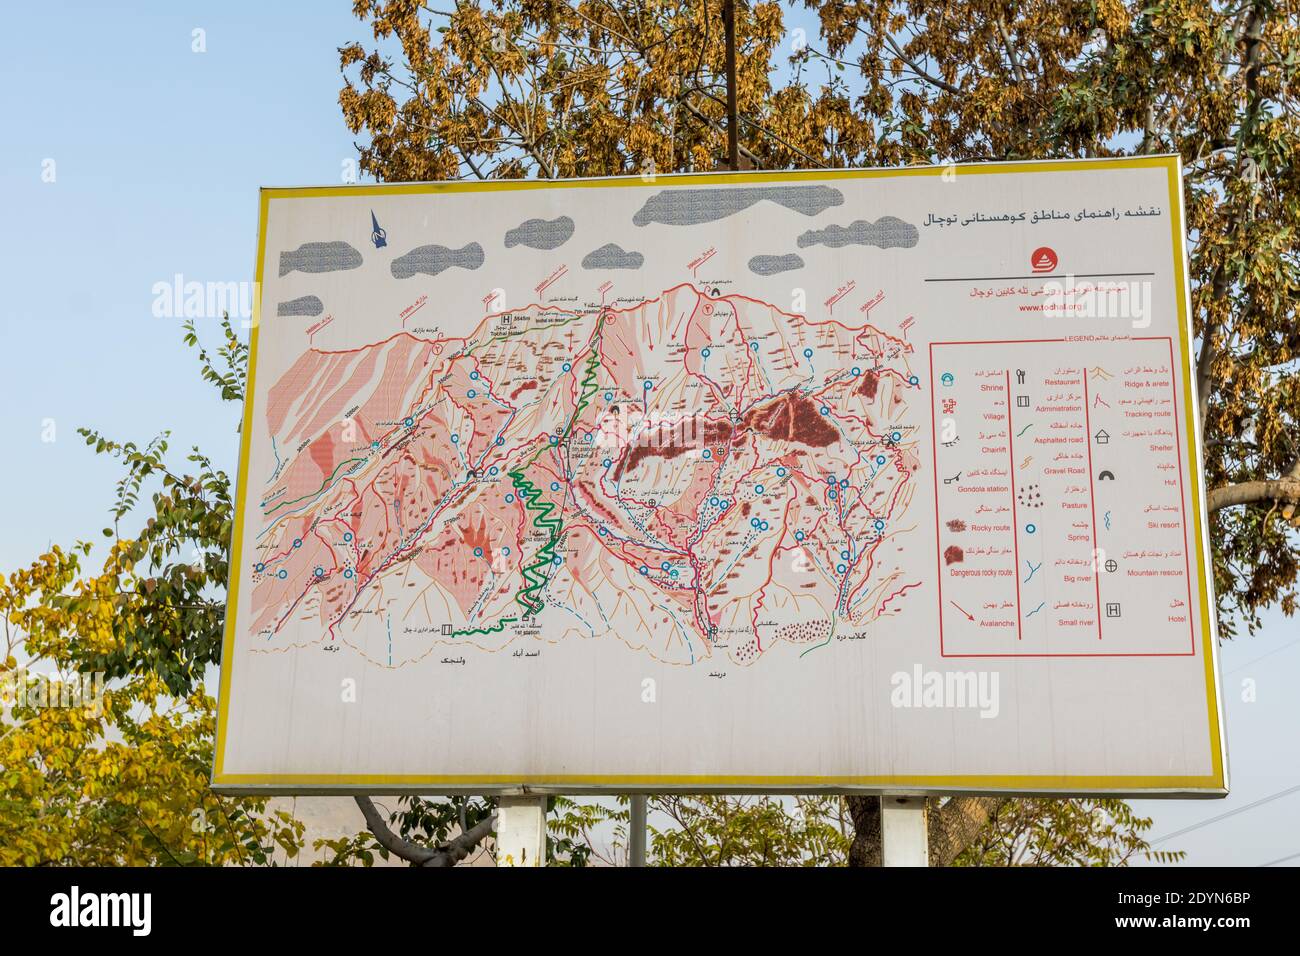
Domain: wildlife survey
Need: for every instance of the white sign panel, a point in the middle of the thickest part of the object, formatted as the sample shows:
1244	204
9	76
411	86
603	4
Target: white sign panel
877	479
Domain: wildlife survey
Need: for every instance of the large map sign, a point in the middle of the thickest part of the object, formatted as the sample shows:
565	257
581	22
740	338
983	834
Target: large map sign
877	479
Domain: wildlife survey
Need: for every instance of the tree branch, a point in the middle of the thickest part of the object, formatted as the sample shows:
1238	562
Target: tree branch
954	826
932	80
1011	50
1250	492
445	854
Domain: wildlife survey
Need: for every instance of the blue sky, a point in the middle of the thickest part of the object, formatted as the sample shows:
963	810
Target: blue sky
158	153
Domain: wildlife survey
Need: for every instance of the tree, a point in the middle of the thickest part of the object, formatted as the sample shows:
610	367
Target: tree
105	732
816	831
516	88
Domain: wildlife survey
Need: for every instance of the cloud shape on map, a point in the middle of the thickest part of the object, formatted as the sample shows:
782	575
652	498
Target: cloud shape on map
771	265
690	207
541	233
320	257
886	233
431	260
306	305
612	256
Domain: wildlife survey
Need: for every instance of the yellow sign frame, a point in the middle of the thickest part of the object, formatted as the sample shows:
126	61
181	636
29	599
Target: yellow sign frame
1214	784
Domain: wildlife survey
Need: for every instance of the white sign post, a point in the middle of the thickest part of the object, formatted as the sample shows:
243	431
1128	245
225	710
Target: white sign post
521	831
869	481
903	832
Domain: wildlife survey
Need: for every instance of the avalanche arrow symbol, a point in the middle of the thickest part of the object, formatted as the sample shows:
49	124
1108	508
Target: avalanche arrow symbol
969	616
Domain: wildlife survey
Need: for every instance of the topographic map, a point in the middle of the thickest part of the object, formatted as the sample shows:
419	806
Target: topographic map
809	479
696	473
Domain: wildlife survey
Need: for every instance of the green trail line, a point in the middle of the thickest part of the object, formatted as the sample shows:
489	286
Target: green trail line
496	628
589	384
536	573
324	485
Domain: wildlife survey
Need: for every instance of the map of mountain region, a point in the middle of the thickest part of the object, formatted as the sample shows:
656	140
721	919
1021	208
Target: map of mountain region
698	475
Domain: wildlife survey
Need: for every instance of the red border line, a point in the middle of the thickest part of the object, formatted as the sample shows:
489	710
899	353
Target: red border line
934	459
1092	498
1015	519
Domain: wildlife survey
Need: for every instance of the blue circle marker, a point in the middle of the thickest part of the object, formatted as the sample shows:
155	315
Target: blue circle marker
347	572
1031	528
753	522
501	441
913	379
347	536
478	552
455	439
473	375
706	454
566	367
282	574
758	489
880	459
375	445
644	569
557	560
880	525
509	498
609	396
762	526
725	504
555	486
856	371
840	568
648	385
780	472
798	535
259	567
505	551
409	422
492	470
754	346
825	410
471	393
896	435
607	463
665	565
833	494
714	501
320	572
297	542
807	353
844	555
555	439
705	352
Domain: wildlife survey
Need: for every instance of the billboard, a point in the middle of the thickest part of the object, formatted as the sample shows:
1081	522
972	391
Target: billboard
827	480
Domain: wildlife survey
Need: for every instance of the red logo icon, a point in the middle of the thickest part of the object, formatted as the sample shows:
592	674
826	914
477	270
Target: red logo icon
1043	259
